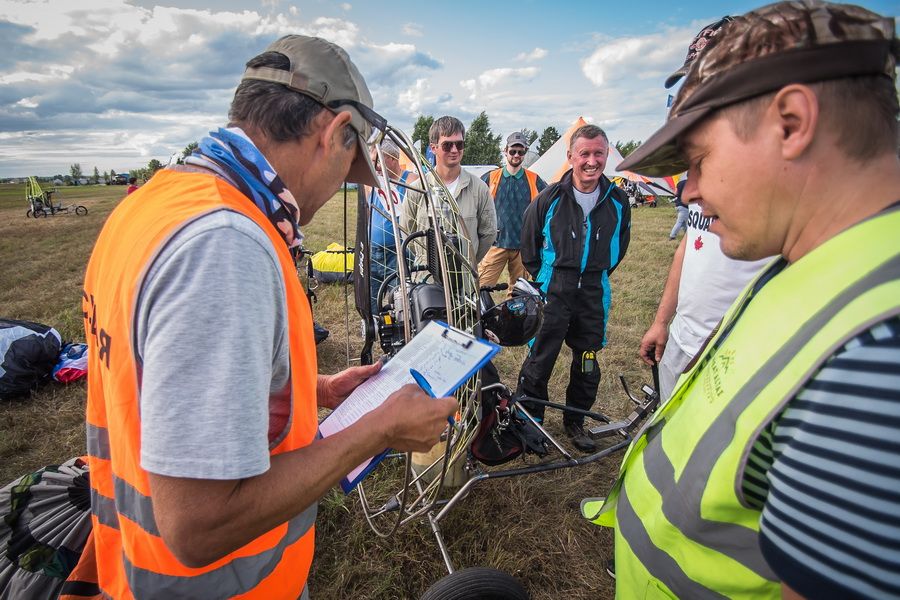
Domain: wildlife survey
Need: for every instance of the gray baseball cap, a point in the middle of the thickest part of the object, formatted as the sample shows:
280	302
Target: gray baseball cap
324	72
803	41
390	148
517	138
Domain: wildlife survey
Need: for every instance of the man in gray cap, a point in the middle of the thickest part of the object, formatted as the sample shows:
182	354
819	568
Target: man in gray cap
203	391
513	188
769	472
382	244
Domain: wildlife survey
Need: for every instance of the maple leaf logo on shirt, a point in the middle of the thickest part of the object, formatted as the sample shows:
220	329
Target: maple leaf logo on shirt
698	243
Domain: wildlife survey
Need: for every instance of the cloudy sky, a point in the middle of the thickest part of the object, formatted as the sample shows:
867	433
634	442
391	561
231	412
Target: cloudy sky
115	83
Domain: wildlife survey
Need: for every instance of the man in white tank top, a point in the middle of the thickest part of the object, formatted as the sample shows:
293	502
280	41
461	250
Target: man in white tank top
702	284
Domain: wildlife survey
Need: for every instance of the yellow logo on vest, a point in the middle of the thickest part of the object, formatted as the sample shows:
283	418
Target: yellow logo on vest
715	373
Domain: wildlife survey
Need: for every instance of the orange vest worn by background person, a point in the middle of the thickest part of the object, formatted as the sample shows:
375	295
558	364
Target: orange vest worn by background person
494	182
132	559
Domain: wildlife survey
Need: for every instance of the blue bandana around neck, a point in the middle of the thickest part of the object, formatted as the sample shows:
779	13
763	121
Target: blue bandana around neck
229	153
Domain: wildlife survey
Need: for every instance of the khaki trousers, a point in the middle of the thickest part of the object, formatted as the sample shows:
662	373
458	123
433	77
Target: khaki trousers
493	263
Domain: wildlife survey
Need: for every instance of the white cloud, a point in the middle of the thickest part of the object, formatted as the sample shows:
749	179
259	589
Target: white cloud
381	63
109	83
651	56
341	32
536	54
493	78
413	29
420	99
53	72
414	97
346	6
115	84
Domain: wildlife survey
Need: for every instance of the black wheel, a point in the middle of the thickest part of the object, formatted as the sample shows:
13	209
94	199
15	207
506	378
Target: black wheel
80	210
29	214
40	213
477	583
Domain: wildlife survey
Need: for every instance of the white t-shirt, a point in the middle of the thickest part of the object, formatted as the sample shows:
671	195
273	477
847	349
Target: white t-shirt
586	202
710	282
452	185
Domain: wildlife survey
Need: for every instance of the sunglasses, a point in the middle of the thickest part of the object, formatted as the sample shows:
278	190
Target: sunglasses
513	152
447	146
378	123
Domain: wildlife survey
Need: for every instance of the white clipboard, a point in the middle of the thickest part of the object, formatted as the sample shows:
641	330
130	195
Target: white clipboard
445	356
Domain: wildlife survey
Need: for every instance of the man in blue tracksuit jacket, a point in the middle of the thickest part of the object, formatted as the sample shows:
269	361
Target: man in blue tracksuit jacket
574	235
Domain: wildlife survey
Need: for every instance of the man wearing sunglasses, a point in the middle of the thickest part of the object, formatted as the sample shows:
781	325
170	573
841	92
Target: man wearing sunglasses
513	188
203	391
447	138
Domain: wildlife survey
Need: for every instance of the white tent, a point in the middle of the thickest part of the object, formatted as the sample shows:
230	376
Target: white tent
479	170
531	156
554	163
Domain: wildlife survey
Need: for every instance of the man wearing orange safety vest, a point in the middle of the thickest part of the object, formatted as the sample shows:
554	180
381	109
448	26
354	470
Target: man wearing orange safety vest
513	188
202	387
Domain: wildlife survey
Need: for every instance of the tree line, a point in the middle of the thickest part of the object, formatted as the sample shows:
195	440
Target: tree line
485	148
482	148
76	173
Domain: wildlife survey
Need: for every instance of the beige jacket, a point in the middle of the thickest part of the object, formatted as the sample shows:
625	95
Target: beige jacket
475	206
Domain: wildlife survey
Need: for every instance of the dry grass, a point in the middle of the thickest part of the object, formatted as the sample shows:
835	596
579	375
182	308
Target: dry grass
528	526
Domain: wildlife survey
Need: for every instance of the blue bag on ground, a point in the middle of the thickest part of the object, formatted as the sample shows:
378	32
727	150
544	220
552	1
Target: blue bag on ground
72	364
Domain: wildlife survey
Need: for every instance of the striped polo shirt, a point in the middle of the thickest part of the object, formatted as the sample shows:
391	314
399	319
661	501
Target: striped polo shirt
826	475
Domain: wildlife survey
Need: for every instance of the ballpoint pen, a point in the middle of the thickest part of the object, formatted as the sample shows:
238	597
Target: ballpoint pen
423	383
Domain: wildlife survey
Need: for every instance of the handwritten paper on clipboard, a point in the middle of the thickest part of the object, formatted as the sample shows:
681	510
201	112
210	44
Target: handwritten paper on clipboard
446	357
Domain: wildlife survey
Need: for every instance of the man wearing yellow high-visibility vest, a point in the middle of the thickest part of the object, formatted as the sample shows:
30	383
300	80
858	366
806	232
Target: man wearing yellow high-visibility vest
772	469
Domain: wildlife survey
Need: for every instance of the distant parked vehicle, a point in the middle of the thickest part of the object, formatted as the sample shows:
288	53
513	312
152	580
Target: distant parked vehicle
119	179
40	203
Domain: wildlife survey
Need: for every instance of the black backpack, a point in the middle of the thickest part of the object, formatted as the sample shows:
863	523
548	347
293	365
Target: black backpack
503	433
28	352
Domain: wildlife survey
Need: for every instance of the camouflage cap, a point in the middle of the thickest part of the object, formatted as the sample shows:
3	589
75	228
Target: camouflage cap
803	41
701	41
323	71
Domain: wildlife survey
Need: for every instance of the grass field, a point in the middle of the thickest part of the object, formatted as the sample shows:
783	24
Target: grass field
528	526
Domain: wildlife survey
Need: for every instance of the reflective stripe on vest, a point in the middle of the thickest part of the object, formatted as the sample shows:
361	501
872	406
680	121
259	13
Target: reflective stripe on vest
226	581
682	521
132	560
664	566
494	182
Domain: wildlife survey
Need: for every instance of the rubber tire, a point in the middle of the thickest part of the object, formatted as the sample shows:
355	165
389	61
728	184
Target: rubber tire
477	583
80	210
29	214
40	213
